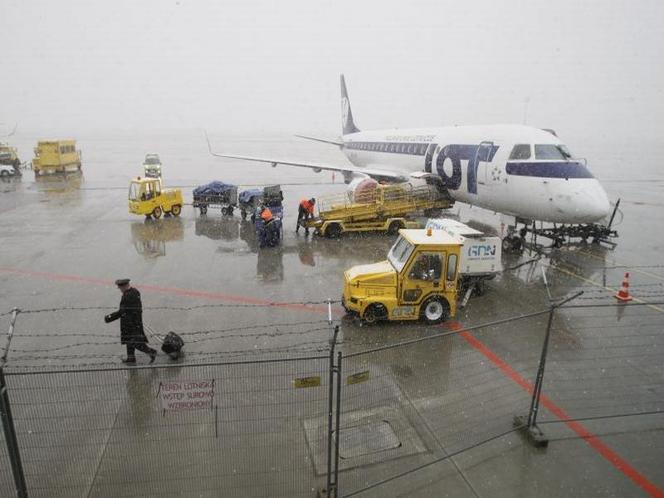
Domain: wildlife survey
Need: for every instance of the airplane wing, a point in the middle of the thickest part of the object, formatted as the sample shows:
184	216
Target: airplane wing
349	171
324	140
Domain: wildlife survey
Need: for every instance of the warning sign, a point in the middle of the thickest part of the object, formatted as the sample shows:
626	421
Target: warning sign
187	395
304	382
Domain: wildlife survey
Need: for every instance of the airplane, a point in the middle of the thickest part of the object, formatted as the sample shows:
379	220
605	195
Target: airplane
517	170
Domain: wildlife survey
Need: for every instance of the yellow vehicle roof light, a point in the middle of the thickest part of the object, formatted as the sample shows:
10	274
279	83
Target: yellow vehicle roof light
429	232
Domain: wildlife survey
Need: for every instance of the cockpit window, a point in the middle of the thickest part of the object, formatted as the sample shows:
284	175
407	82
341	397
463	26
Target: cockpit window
552	151
563	148
520	151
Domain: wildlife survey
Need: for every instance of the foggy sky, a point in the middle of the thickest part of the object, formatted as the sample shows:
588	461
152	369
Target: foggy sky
585	68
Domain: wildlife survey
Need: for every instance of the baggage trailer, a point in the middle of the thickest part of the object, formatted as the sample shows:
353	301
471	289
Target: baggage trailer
385	208
250	200
216	194
480	255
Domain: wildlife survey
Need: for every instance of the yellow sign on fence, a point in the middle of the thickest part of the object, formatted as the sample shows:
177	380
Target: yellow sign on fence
307	382
357	378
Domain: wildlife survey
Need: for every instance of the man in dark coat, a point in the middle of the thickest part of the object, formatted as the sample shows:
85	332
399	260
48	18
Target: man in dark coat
131	322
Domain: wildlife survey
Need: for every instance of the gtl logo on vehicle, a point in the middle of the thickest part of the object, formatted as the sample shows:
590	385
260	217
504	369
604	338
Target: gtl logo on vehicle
480	250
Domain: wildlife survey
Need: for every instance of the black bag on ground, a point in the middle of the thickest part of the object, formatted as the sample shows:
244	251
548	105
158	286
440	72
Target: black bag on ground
172	345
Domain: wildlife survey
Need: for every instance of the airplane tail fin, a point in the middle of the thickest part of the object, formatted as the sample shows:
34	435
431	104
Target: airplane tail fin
347	124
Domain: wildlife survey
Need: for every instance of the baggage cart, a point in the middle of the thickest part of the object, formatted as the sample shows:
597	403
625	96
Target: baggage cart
218	195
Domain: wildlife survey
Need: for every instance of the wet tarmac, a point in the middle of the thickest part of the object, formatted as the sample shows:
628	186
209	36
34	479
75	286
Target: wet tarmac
65	240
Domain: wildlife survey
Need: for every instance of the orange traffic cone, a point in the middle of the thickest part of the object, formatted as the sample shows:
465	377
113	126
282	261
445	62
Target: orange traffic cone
623	293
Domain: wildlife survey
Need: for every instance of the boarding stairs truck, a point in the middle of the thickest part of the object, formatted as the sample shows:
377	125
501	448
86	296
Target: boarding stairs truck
480	255
384	208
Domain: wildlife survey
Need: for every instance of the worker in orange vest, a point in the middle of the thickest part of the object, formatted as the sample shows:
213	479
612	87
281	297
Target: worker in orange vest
305	211
266	215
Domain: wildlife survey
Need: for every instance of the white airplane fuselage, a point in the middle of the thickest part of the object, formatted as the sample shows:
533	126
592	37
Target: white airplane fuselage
480	167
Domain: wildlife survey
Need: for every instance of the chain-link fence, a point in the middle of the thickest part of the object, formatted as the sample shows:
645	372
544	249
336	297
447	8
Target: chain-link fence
382	418
607	362
407	406
181	431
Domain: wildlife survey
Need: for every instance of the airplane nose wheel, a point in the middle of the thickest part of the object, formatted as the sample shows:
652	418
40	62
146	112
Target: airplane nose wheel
512	243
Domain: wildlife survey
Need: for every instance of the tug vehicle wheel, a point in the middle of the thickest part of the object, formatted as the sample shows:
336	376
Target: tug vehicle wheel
394	227
435	310
374	313
333	231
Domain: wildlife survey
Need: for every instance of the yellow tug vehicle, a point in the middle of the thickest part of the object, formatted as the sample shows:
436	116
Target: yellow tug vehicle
148	198
418	281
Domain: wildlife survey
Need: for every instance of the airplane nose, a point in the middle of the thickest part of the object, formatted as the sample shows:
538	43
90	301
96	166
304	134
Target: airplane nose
596	203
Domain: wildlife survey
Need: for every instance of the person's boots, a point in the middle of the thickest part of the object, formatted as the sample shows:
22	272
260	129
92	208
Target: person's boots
153	355
131	360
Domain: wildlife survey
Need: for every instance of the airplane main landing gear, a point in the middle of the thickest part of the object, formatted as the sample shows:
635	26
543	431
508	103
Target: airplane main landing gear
559	235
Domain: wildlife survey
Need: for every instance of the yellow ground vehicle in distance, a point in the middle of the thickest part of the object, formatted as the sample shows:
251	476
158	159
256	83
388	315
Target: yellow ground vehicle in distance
147	197
56	156
419	280
9	155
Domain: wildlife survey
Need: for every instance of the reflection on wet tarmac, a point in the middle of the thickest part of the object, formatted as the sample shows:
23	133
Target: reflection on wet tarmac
141	398
270	264
59	182
9	183
215	228
150	236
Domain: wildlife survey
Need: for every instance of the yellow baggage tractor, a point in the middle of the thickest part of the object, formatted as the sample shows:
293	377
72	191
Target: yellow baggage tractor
419	280
147	197
56	156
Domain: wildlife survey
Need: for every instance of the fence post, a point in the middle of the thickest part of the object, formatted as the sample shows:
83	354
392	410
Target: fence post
7	420
331	485
337	427
529	424
10	438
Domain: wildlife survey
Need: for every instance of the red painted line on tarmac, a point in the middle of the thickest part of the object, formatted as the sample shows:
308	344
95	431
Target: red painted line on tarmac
217	296
593	441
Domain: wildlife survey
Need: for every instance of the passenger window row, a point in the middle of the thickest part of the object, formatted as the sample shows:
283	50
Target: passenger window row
415	149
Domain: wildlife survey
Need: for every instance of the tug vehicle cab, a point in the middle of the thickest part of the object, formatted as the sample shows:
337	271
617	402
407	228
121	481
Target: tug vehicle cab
147	197
418	281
